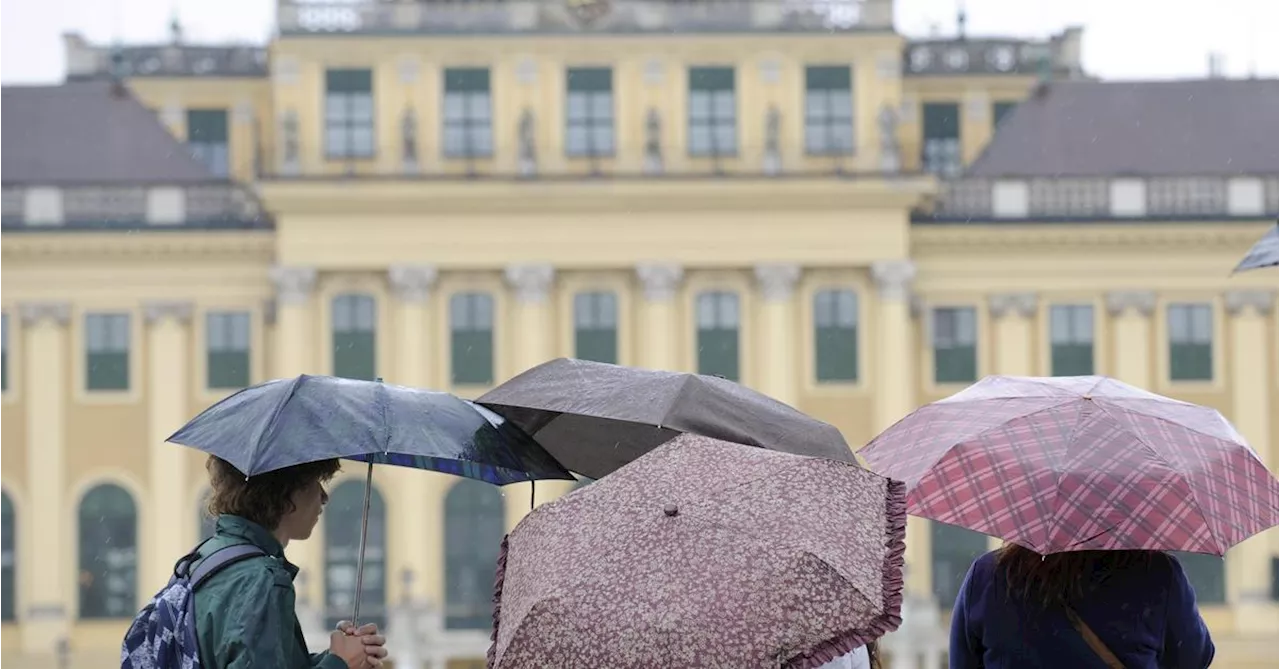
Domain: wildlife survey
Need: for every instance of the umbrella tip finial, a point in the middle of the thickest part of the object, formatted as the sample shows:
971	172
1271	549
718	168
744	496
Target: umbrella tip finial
671	510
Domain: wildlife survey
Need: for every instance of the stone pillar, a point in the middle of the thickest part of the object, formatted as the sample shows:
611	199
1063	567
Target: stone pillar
169	384
1012	313
45	561
778	351
895	384
1249	563
1131	347
658	340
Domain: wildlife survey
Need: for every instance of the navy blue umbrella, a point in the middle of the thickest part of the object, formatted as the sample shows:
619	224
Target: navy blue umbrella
287	422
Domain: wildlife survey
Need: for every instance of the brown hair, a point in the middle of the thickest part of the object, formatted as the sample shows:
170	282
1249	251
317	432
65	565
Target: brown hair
267	497
1051	581
873	654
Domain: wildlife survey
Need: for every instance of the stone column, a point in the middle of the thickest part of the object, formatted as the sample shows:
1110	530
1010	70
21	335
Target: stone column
895	384
1249	563
169	385
777	283
1131	347
659	314
46	563
1012	313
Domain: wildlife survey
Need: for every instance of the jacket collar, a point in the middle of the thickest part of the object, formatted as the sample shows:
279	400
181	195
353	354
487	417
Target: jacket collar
243	530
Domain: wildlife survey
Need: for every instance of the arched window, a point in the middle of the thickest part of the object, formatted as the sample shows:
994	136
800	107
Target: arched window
954	549
718	320
355	337
108	553
474	522
10	532
342	517
206	521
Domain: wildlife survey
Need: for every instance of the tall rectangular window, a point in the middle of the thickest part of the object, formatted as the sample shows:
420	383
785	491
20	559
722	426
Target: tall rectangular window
588	112
835	336
713	112
595	327
348	114
954	550
1071	339
227	349
718	322
955	345
1190	342
207	138
468	113
940	151
106	351
828	110
471	345
355	337
1000	110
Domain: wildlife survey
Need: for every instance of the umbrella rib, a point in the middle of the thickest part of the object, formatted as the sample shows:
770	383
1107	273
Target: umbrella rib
275	418
1175	423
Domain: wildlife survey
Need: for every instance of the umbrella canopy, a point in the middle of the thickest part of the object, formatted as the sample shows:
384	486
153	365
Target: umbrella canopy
596	417
287	422
1079	463
704	553
1265	252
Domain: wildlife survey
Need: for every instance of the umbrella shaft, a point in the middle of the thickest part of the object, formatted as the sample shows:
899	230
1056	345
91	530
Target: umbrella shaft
364	537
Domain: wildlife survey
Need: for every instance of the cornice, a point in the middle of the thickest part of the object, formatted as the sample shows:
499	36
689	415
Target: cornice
168	245
948	239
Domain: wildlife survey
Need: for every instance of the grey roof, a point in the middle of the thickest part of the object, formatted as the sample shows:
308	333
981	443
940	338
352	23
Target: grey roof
1208	127
86	133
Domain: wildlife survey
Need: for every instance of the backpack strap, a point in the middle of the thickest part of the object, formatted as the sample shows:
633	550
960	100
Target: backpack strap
1095	644
223	557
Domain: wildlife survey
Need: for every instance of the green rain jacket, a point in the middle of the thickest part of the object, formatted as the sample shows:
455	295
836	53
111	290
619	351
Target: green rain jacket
244	613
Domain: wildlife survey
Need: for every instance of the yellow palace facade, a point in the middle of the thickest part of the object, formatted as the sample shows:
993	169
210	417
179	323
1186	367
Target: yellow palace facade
444	194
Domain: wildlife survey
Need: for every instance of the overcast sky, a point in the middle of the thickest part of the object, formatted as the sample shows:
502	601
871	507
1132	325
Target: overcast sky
1123	39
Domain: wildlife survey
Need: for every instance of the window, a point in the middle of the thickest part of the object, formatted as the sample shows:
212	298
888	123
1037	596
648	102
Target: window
1208	576
108	553
595	327
713	112
999	110
718	334
471	327
1071	340
468	113
589	112
342	517
474	523
355	337
4	351
953	550
206	521
9	533
348	114
227	349
107	351
1190	342
835	336
940	152
955	350
207	139
828	111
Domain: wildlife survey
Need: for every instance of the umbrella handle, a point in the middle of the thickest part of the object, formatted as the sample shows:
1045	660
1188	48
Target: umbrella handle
364	537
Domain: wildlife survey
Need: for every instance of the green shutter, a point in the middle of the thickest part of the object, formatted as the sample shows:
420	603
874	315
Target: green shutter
355	337
718	352
207	126
348	81
589	79
955	364
837	353
828	77
711	78
1190	362
941	120
228	369
227	336
466	80
1072	359
597	344
108	371
472	357
953	551
1208	576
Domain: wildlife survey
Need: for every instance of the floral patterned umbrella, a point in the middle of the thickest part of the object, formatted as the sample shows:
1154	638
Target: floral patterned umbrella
704	553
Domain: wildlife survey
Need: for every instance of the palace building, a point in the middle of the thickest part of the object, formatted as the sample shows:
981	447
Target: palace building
443	193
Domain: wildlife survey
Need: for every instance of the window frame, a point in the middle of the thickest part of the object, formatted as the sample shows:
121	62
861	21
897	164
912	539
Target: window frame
356	331
453	332
827	121
701	346
130	609
589	122
815	331
599	312
352	121
926	141
1210	347
228	320
931	343
210	151
1073	311
87	350
709	80
453	82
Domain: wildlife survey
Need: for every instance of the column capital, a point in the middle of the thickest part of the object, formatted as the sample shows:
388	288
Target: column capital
1141	301
777	281
157	311
33	313
532	281
412	283
1240	301
293	284
660	280
893	278
1003	304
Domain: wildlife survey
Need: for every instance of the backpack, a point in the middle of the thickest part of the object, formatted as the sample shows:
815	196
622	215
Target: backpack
163	634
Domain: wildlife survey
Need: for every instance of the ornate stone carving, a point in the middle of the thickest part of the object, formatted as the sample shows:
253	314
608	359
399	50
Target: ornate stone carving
653	142
893	278
409	140
772	150
1143	302
531	282
890	153
412	283
660	280
34	313
289	142
293	284
1240	301
160	310
777	281
528	144
1003	304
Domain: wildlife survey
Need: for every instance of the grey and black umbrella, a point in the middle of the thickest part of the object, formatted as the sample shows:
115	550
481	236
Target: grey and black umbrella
1265	252
595	417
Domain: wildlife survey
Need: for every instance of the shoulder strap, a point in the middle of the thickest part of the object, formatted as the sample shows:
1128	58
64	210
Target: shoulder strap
220	558
1096	644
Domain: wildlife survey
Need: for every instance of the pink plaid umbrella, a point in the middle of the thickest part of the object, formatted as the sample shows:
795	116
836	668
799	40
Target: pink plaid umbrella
1079	463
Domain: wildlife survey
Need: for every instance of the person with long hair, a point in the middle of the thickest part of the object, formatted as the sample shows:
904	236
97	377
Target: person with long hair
1127	609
